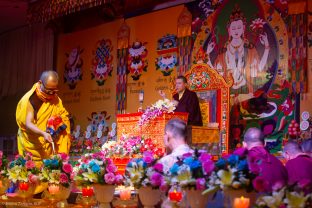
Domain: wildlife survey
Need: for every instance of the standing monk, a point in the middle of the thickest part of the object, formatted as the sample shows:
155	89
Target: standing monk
33	111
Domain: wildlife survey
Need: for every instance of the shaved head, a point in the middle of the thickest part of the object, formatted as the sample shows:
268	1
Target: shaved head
292	148
253	135
48	76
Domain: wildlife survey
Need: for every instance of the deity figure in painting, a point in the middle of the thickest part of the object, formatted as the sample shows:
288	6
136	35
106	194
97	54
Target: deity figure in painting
239	56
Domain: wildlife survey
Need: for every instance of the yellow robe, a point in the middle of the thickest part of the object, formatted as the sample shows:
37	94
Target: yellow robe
37	145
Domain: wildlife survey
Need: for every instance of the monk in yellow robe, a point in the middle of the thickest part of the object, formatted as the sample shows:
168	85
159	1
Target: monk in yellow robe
32	113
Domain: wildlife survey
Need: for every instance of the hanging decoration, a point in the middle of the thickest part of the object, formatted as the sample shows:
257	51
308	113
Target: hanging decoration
297	63
43	11
73	68
122	54
137	62
167	51
102	63
184	41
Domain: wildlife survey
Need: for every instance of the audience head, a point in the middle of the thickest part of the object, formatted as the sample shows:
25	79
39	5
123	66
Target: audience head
291	150
181	83
253	137
306	146
49	82
175	133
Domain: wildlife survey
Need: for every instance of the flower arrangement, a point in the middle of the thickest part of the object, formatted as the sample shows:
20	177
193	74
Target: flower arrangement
3	165
232	171
57	170
193	170
131	146
96	168
23	169
157	109
146	171
297	195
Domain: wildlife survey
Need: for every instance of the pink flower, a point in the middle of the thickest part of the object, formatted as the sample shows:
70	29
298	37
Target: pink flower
261	184
1	154
64	157
33	178
303	183
148	157
208	167
109	161
30	164
111	168
159	167
63	178
277	186
163	186
109	178
185	155
156	179
119	179
67	168
241	152
204	157
200	184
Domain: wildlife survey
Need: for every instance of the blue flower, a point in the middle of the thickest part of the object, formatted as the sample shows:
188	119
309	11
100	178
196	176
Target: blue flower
54	163
233	159
242	165
95	168
195	164
47	163
220	163
174	169
188	161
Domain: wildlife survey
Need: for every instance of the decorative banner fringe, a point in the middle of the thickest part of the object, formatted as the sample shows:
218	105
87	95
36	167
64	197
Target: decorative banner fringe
184	41
122	57
297	62
43	11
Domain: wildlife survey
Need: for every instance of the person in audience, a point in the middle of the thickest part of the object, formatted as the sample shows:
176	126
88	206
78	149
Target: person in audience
261	162
306	146
298	165
33	111
175	141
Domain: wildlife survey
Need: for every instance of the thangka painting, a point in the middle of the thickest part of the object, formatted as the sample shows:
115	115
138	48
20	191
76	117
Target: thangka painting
73	68
167	54
102	62
137	60
248	40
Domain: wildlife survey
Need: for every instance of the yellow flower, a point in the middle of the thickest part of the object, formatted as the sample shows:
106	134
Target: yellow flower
13	173
295	199
90	176
226	177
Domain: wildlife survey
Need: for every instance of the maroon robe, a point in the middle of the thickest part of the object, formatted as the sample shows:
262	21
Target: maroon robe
299	168
264	164
189	103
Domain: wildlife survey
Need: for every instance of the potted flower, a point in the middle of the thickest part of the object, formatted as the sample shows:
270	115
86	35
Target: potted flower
4	181
146	175
296	195
96	170
192	172
23	171
233	176
56	171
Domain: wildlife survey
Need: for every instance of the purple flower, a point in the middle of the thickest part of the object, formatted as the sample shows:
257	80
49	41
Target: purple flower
261	184
204	157
200	184
159	167
156	179
303	183
241	152
163	186
111	168
119	179
208	167
109	178
148	157
186	155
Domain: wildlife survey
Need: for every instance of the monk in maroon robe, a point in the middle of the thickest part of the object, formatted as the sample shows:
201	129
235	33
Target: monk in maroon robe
261	162
298	165
187	102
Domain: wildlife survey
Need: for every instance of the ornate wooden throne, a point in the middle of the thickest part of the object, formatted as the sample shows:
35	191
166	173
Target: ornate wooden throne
214	93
